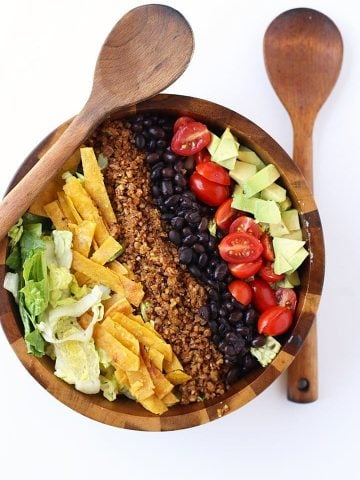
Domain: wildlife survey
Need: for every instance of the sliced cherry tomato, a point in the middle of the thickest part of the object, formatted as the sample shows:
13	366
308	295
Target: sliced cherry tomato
202	157
286	297
208	192
190	138
267	273
240	291
213	172
181	121
240	248
275	321
225	215
245	224
245	270
263	294
268	252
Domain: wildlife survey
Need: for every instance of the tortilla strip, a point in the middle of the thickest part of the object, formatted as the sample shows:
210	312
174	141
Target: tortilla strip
162	384
122	306
170	399
106	251
83	235
141	385
65	207
121	378
73	210
156	358
145	336
177	377
154	405
133	290
121	357
81	278
122	335
118	267
94	184
172	365
136	318
56	215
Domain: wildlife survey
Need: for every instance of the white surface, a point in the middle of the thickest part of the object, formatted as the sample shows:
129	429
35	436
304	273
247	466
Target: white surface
48	51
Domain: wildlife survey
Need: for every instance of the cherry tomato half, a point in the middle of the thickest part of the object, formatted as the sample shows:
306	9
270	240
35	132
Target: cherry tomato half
286	297
245	224
208	192
225	215
268	252
240	291
245	270
263	295
190	138
275	321
202	156
240	248
213	172
267	273
181	121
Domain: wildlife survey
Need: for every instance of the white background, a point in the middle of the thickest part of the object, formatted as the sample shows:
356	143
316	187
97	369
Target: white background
47	54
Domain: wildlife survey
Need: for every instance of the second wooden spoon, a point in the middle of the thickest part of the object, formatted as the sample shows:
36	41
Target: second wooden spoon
303	53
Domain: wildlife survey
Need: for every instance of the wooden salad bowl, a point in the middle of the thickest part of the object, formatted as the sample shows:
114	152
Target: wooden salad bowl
124	412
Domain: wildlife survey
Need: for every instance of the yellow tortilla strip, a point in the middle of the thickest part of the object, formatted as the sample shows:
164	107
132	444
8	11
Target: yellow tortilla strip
73	210
170	399
56	215
106	251
122	335
83	235
172	365
65	207
136	318
150	327
121	378
162	384
97	273
145	336
94	185
122	306
154	405
121	357
156	358
134	291
177	377
141	385
81	278
118	267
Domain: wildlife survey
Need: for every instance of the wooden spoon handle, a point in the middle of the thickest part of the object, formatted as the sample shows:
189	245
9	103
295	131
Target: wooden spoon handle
303	372
23	194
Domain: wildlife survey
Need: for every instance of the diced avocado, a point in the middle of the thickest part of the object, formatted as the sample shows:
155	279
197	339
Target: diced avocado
286	247
295	235
274	192
227	147
297	259
229	163
285	204
242	171
291	219
266	354
266	211
248	156
237	190
262	179
214	143
293	278
284	283
281	265
240	202
278	229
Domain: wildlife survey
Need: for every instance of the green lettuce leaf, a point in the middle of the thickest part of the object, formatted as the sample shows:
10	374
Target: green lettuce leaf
15	233
13	260
11	283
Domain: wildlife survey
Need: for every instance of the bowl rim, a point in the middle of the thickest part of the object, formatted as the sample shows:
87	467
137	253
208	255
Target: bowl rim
131	415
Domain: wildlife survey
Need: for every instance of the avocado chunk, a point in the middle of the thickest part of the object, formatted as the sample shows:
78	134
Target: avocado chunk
278	229
248	156
274	192
262	179
284	283
240	202
266	354
242	171
291	219
266	211
297	259
281	265
285	204
214	143
227	147
229	163
286	247
293	278
295	235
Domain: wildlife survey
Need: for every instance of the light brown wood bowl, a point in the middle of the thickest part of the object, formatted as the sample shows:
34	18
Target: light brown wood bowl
126	413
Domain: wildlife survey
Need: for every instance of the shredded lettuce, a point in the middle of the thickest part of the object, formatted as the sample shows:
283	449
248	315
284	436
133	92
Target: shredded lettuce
11	283
62	242
15	233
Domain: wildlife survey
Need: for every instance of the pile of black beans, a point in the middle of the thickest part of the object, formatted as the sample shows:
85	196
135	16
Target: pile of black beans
233	325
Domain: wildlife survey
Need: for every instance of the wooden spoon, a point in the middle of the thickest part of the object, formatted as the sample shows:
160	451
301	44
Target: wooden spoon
147	50
303	53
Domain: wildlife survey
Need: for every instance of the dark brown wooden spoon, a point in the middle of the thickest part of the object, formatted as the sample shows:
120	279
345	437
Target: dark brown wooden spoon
303	52
147	50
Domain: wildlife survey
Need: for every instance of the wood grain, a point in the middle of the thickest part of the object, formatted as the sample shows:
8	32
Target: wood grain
303	54
127	414
140	58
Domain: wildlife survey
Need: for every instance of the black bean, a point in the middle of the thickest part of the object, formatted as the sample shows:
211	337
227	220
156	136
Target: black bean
258	341
185	255
220	271
169	157
148	122
178	189
249	362
213	326
241	329
194	218
180	180
186	231
229	306
156	173
223	328
140	141
156	192
214	310
216	339
227	297
139	118
204	312
203	237
172	201
185	202
189	164
189	240
151	146
231	337
250	316
161	144
203	224
229	349
220	234
230	361
156	132
233	375
168	172
190	195
211	243
167	216
167	187
222	312
198	248
177	222
238	305
137	127
222	287
179	166
222	345
235	317
194	270
202	260
174	237
213	294
152	158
